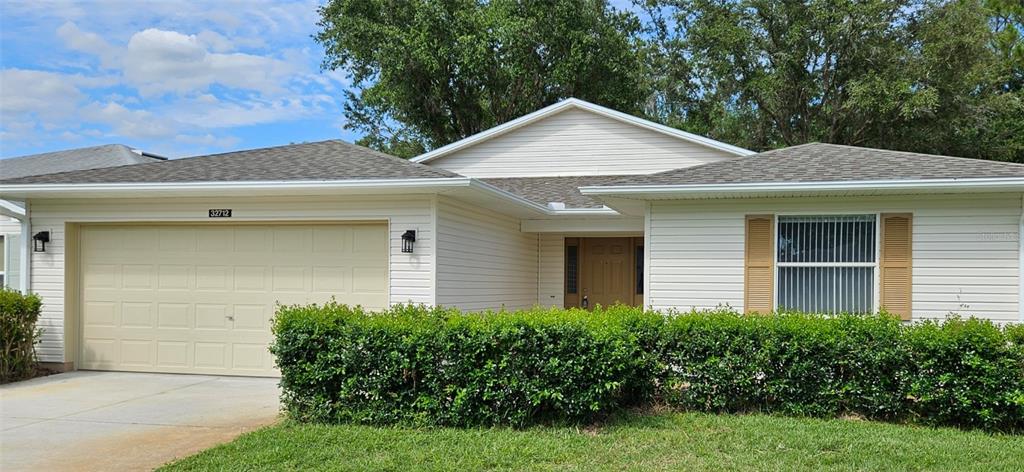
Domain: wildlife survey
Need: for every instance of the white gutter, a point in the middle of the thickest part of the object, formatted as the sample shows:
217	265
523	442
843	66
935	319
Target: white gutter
1020	263
484	186
239	185
139	188
1007	183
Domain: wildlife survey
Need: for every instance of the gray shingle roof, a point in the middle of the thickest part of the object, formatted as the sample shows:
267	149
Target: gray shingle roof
543	190
95	157
817	162
318	161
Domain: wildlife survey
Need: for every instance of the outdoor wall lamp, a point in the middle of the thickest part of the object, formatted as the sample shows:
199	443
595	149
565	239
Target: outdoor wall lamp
39	241
408	238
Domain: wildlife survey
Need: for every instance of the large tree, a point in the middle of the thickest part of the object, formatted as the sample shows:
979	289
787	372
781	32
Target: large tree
426	73
920	75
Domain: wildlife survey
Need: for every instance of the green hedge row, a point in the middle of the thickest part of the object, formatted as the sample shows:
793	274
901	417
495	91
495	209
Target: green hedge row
435	366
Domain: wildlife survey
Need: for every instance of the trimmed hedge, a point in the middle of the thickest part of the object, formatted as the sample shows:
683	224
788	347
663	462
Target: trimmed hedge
436	366
18	334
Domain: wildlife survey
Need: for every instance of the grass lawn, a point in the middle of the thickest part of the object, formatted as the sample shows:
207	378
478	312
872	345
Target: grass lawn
674	441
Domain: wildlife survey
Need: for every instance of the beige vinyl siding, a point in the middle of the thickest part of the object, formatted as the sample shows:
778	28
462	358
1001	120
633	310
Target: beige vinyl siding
484	262
577	142
965	250
551	279
9	225
410	275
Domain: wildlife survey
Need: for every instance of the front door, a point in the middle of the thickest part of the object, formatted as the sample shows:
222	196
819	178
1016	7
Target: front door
607	272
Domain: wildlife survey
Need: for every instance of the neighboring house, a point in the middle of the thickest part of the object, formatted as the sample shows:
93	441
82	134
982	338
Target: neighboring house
176	266
13	211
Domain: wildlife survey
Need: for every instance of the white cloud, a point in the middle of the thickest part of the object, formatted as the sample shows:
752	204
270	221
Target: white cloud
90	43
177	73
47	95
215	41
128	122
207	140
211	112
158	61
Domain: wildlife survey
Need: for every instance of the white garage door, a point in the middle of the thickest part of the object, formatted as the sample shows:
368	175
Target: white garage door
199	298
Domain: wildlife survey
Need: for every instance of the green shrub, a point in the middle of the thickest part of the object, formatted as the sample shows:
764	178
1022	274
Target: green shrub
789	363
18	334
966	373
442	367
435	366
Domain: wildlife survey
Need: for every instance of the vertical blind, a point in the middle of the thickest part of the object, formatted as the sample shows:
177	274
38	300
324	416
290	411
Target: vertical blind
826	264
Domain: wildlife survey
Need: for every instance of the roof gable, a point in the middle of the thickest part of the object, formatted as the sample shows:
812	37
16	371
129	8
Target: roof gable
95	157
570	103
602	120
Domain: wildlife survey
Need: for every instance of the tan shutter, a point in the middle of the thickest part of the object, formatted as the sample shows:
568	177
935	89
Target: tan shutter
759	268
895	264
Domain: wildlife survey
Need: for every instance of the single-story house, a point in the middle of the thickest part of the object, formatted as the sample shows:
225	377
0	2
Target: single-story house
12	212
176	266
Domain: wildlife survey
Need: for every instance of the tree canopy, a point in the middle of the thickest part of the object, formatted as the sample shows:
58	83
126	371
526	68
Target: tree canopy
427	73
944	77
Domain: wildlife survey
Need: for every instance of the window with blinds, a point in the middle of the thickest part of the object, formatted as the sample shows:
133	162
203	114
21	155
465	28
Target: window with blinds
826	264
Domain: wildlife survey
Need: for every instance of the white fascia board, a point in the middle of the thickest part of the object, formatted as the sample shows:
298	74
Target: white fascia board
537	208
492	132
660	128
577	103
12	210
141	188
683	191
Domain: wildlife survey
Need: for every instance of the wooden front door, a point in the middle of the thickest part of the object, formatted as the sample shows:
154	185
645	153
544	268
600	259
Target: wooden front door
607	271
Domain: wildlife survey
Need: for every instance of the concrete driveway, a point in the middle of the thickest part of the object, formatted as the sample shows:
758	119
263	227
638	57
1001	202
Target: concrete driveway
125	421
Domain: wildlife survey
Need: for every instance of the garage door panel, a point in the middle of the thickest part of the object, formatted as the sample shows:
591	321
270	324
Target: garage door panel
175	241
200	299
137	352
137	315
290	279
251	239
214	277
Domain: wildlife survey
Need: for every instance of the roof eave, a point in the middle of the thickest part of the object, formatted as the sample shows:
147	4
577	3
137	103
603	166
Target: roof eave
997	184
502	200
100	190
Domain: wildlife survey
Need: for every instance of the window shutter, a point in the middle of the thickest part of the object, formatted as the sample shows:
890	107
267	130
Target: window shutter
759	267
895	264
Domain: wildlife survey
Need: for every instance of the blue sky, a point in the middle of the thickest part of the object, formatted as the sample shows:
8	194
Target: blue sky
173	77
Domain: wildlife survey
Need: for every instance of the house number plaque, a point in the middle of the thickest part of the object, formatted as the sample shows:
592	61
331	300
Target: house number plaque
220	213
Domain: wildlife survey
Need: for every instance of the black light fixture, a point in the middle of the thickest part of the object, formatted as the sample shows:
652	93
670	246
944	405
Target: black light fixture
39	241
408	238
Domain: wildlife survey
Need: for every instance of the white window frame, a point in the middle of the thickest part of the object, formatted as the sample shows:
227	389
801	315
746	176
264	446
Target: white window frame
874	265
